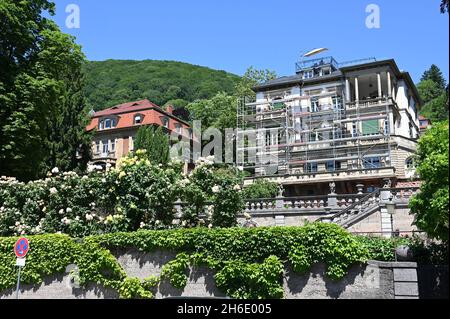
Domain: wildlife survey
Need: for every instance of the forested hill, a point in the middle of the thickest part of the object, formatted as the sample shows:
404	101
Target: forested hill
112	82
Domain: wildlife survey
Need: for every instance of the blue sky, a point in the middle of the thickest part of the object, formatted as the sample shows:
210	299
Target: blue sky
233	35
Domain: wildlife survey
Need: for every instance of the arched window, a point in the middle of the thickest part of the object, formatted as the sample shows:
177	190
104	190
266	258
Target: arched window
138	119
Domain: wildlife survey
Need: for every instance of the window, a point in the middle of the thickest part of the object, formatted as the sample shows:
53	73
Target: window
97	147
138	119
165	122
311	167
308	74
372	162
409	163
108	123
370	127
354	130
178	128
113	145
386	127
105	145
337	102
315	104
333	166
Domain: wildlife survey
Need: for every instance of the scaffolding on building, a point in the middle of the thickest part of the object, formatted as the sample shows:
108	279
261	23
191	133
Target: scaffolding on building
297	133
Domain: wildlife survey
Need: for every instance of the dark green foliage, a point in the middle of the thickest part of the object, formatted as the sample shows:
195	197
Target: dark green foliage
382	249
112	82
433	90
430	205
249	262
42	114
435	74
154	142
261	189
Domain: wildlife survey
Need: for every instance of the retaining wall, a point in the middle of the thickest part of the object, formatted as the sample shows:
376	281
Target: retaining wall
374	280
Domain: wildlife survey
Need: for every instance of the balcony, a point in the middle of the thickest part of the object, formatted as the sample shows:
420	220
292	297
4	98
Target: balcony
110	155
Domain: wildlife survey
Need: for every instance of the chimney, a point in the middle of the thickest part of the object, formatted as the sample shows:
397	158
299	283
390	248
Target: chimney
169	109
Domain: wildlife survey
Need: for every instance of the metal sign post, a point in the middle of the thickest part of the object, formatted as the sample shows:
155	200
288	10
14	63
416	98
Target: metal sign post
20	249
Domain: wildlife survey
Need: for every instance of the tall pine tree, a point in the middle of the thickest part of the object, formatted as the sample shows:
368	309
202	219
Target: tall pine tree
434	92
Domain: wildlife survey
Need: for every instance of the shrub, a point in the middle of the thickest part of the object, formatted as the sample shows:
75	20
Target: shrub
217	187
137	194
261	189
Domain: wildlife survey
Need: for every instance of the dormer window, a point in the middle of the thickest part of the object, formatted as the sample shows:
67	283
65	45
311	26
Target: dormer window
165	121
107	123
178	128
138	119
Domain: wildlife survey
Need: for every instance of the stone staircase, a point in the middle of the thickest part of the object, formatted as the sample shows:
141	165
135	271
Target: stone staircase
359	210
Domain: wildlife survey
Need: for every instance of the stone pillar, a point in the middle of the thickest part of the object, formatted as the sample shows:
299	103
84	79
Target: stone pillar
347	90
356	91
332	197
379	85
279	201
405	280
386	222
389	83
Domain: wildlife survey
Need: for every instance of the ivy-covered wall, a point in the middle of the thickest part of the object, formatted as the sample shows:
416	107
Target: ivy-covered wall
247	263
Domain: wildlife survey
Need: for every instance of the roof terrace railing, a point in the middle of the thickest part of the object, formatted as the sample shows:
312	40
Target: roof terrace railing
308	64
313	63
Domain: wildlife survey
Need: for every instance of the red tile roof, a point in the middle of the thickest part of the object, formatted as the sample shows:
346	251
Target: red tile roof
127	107
126	112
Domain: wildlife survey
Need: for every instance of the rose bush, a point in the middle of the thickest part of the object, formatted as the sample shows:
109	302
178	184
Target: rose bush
137	194
212	195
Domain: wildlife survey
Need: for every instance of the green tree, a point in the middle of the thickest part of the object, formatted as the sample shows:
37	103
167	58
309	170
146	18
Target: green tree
251	78
40	101
430	205
155	142
434	93
435	74
221	110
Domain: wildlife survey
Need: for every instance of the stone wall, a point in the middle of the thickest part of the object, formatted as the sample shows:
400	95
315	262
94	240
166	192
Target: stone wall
375	280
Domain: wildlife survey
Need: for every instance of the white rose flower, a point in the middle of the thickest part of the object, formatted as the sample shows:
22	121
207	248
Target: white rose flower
55	170
183	223
142	225
89	217
157	222
210	226
53	190
65	221
61	211
68	210
237	187
216	189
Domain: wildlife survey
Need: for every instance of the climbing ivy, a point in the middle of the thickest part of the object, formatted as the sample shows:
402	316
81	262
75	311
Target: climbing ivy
248	262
